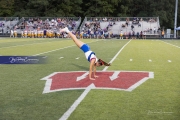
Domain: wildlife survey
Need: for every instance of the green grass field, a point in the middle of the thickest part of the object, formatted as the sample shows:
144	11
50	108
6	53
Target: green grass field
21	87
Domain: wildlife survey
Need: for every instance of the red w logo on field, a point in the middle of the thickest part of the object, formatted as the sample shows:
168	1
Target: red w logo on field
117	80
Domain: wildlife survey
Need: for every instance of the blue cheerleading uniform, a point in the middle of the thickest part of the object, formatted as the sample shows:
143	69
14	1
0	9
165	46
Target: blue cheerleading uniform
88	53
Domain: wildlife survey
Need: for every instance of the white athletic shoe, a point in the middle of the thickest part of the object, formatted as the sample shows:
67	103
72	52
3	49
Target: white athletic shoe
64	30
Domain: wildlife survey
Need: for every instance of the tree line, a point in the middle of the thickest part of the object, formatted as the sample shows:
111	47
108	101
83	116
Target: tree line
164	9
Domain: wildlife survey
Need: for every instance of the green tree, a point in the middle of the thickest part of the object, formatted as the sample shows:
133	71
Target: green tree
6	8
100	7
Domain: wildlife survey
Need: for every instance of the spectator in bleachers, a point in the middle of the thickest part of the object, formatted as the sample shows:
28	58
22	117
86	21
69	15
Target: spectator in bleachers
121	34
111	34
154	30
123	26
2	31
15	33
141	35
162	34
81	34
150	30
141	19
151	20
133	35
22	34
126	35
137	35
1	24
127	23
12	33
105	19
129	37
132	27
144	35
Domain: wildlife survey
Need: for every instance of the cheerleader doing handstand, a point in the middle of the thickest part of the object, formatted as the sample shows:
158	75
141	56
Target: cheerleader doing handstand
90	55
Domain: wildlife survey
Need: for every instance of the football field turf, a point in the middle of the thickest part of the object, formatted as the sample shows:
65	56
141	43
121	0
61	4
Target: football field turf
23	87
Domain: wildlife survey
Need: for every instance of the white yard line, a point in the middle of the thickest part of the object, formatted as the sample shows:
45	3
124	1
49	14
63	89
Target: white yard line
116	56
171	44
77	102
58	49
54	50
66	115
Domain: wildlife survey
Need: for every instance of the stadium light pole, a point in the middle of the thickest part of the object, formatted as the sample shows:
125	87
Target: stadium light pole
175	18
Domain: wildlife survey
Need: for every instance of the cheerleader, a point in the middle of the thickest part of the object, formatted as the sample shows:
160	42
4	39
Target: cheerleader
90	55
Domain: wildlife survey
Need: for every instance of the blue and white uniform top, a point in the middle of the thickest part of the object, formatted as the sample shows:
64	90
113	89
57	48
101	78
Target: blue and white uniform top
88	53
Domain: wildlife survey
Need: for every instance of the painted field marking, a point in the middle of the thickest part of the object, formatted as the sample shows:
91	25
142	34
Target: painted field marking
169	61
54	50
131	60
171	44
82	76
150	60
77	58
3	38
76	103
60	49
116	55
115	75
151	75
113	80
66	115
61	57
25	45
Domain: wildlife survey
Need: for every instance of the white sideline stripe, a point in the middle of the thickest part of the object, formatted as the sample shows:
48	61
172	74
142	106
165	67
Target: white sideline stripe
24	45
66	115
53	50
59	49
116	56
23	40
171	44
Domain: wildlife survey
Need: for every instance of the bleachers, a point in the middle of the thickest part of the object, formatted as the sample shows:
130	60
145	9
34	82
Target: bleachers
7	23
53	23
114	25
93	26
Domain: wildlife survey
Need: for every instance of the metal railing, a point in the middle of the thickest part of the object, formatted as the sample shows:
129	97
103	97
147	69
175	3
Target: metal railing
8	18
